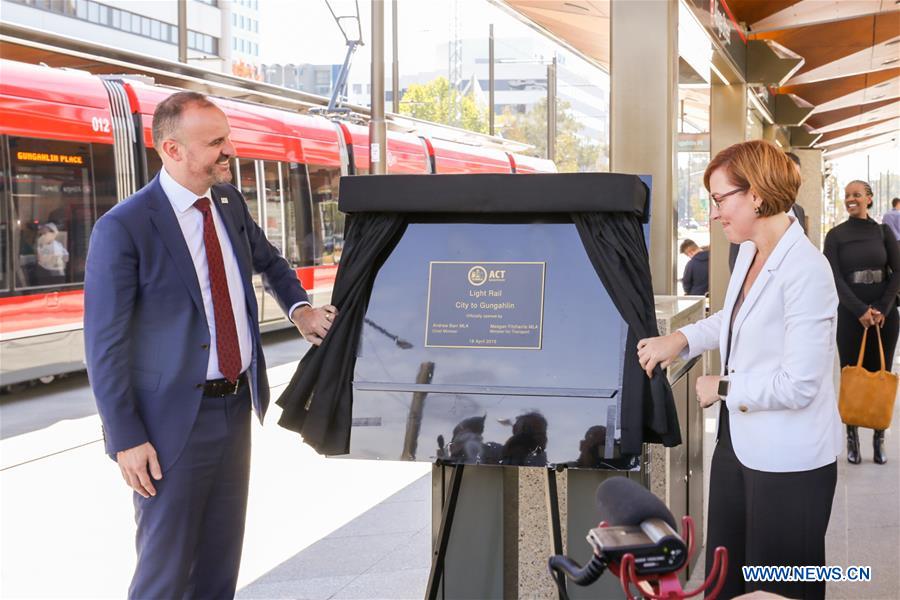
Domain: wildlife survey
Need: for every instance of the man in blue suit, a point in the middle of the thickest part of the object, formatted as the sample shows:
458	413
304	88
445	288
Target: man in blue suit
174	353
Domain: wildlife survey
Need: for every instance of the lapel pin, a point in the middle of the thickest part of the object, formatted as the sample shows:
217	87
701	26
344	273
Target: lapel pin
224	200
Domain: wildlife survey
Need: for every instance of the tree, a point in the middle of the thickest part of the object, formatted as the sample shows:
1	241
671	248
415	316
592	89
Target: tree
439	102
573	152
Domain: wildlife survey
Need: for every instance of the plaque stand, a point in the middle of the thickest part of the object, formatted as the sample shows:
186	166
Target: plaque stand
450	501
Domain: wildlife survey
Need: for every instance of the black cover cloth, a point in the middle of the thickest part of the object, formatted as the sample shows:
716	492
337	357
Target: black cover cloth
318	402
492	194
615	245
607	210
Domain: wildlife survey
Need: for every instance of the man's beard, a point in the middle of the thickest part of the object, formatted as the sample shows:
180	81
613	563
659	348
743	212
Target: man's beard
215	175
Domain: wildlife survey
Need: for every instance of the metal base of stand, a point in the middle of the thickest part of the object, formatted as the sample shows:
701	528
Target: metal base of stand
555	528
440	552
448	512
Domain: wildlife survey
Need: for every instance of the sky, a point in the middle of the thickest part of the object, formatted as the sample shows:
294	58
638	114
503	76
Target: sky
304	31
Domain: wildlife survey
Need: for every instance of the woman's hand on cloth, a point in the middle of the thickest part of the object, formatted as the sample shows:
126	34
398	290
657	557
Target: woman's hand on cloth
661	350
708	390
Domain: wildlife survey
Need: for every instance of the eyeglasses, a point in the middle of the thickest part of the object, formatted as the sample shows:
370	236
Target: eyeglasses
717	198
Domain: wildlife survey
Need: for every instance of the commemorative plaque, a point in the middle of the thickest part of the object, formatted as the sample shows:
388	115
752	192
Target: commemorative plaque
485	305
487	334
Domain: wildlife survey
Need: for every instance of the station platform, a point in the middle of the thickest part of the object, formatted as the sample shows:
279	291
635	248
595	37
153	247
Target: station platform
385	552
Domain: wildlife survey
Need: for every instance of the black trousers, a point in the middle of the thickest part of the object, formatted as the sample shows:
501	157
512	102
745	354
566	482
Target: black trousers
765	518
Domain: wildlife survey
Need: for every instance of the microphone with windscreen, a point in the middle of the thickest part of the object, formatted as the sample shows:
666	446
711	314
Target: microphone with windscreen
637	541
637	523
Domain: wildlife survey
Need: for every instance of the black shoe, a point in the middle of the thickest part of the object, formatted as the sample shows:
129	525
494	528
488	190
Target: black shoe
853	445
878	444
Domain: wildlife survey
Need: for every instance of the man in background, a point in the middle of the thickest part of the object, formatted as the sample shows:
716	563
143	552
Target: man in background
696	273
796	208
892	218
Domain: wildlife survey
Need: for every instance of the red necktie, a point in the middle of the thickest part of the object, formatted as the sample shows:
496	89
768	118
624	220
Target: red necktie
226	333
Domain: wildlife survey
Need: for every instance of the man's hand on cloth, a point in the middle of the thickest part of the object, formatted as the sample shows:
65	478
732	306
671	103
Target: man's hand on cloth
314	323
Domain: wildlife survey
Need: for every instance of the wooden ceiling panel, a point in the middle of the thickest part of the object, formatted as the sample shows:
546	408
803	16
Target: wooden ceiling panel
824	91
828	42
833	135
824	119
831	89
583	24
859	140
751	11
887	26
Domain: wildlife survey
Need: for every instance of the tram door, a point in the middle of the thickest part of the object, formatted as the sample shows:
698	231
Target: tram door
272	223
328	221
245	177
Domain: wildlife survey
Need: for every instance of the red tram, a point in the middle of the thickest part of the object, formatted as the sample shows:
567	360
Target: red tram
72	144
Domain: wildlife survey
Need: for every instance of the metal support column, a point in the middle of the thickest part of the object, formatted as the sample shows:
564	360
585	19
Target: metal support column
643	113
377	129
395	64
491	79
551	110
182	31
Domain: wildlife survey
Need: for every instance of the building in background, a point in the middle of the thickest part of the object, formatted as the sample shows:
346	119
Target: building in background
223	35
241	26
313	79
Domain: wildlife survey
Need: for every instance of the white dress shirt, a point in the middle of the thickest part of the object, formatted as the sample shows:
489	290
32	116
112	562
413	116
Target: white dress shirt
190	219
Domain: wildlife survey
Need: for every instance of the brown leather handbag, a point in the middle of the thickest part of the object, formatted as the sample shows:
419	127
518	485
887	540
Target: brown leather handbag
867	398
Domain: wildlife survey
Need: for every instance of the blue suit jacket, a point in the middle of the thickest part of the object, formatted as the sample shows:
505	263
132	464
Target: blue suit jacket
145	330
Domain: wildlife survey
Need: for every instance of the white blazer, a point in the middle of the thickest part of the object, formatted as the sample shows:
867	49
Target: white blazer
781	402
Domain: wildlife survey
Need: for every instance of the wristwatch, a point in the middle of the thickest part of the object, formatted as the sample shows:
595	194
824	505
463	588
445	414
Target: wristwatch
724	385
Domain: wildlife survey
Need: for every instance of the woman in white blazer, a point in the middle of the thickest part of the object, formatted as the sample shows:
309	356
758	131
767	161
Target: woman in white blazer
774	468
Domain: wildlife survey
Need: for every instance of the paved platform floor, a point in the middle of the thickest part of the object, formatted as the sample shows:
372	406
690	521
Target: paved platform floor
317	528
385	552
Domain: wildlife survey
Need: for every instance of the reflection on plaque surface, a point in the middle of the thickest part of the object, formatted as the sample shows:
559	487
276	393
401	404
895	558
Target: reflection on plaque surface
485	305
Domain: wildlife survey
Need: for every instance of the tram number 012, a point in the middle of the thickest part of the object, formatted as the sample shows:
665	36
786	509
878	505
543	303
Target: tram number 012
100	124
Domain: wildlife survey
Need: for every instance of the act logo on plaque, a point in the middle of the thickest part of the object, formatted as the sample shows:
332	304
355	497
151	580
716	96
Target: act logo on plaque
477	275
485	305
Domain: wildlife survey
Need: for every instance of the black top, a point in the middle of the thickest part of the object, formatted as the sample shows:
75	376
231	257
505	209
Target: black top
860	245
696	275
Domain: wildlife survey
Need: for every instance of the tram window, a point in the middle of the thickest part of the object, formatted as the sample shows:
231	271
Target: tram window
300	251
105	192
247	167
52	210
272	189
5	233
328	221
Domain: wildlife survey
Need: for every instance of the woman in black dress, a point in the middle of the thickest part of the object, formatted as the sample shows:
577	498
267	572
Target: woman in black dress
865	258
